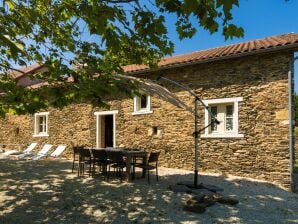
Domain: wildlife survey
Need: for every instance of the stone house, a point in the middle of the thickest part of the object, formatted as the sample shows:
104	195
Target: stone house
245	85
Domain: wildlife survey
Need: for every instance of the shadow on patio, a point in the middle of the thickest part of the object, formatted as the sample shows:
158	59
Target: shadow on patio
47	192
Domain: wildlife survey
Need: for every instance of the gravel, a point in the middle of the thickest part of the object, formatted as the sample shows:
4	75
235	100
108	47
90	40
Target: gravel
47	192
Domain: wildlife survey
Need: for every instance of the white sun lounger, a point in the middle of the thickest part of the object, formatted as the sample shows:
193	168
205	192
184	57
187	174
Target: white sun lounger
10	152
43	152
23	154
58	151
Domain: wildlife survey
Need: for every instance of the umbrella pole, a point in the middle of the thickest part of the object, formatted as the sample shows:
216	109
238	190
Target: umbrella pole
197	100
196	136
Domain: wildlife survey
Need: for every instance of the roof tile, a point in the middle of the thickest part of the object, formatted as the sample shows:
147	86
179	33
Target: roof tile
24	70
290	39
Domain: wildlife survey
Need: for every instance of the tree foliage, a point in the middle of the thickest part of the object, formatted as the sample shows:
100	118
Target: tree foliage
100	37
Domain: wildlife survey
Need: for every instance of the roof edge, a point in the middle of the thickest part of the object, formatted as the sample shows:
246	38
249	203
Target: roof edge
294	47
30	71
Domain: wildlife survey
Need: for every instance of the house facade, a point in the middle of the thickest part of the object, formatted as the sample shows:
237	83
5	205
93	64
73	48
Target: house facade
245	86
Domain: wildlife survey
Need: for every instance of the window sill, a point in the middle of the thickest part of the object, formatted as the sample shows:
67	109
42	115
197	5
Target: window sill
224	135
41	135
142	112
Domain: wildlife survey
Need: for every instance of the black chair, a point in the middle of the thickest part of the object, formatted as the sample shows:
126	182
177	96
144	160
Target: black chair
100	159
137	161
152	163
85	157
75	155
116	161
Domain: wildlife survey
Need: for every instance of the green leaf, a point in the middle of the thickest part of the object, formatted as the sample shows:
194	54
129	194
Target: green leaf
11	5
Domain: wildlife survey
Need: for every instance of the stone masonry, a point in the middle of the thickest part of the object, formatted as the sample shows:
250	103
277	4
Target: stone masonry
262	153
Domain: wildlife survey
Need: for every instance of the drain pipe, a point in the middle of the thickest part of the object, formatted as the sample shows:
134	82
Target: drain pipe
290	81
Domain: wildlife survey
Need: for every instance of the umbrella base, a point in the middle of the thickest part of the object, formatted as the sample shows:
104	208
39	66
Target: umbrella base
209	187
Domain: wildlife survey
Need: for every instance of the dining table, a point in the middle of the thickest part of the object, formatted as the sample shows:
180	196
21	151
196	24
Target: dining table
129	155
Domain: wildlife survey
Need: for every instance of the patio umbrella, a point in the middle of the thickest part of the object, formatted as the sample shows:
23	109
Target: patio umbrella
155	89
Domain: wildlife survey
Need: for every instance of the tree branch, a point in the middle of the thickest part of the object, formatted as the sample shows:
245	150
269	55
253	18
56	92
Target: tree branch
10	68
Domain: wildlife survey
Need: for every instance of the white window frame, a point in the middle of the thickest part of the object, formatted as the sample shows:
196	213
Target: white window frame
98	115
227	134
136	105
36	125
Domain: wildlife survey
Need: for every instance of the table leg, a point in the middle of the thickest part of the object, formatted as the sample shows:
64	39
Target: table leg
128	167
145	165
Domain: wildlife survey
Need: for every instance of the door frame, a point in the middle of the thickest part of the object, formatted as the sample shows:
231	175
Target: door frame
98	115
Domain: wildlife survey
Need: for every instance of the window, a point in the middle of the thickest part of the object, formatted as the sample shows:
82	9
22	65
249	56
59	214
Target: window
41	124
226	112
144	102
142	105
214	113
229	117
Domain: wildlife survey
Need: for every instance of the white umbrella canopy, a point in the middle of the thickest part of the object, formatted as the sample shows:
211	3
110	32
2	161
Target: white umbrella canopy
154	89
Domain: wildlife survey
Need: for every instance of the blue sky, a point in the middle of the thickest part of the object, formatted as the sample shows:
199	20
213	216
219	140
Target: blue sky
259	18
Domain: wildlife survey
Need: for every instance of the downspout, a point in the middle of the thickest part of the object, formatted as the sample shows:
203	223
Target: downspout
290	82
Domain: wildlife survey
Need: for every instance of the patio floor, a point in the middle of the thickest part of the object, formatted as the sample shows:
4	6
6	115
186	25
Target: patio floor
47	192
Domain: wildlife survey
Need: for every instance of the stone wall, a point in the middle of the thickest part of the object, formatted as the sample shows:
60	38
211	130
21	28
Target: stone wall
262	153
70	126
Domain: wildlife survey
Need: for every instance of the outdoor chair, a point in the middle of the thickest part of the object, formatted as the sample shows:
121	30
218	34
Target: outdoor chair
100	159
15	152
75	156
136	161
10	152
26	152
152	164
85	157
58	151
43	152
116	161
